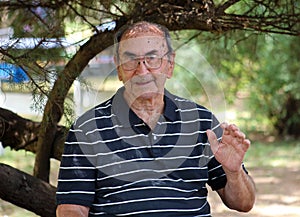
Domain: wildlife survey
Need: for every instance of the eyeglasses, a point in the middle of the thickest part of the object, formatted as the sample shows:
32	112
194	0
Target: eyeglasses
151	61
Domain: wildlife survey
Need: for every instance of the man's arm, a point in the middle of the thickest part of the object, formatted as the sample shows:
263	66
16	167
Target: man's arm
67	210
239	191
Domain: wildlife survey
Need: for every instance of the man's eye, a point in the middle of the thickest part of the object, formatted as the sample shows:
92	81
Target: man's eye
127	58
152	57
131	58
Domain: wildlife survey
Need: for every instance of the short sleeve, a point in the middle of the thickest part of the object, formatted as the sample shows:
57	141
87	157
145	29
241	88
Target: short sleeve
216	175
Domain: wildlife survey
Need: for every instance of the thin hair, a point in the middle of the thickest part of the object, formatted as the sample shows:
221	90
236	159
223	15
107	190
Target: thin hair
140	27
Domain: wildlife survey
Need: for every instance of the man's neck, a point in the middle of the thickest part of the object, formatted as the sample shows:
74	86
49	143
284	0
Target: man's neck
148	109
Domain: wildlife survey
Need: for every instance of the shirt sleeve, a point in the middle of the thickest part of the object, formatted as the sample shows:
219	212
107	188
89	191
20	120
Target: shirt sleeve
77	174
216	175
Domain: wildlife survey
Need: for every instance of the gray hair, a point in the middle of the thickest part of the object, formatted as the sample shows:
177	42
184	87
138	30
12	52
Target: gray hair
142	26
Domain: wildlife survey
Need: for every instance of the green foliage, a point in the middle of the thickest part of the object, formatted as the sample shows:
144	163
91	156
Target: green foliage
36	21
188	71
194	78
267	68
277	89
263	69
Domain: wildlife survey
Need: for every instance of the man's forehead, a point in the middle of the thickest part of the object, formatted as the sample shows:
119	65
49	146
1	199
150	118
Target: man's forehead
142	28
143	42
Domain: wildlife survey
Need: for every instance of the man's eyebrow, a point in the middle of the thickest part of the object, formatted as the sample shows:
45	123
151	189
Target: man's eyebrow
128	53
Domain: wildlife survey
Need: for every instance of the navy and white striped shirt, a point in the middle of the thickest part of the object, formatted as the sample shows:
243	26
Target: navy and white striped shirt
116	165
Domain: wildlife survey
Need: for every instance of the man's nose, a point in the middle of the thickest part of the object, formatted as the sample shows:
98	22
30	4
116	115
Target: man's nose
141	67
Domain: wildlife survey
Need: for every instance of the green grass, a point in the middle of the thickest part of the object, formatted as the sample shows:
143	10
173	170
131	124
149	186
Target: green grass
273	154
18	159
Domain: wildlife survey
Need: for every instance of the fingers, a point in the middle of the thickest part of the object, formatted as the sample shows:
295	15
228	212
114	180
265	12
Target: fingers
232	135
233	130
246	144
213	141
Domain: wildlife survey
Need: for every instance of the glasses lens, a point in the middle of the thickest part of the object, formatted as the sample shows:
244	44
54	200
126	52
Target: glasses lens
128	63
153	62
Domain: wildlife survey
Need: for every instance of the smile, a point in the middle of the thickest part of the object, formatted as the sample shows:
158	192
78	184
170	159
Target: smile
143	82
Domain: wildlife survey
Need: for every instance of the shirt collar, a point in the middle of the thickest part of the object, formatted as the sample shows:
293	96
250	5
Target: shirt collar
127	117
170	110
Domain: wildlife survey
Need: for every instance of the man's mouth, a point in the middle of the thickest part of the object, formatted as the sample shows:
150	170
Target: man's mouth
143	82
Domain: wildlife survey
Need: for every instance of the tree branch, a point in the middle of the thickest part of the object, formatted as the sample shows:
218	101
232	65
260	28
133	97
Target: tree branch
20	133
27	191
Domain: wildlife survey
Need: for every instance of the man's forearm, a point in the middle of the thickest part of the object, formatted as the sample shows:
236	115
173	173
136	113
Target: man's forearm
67	210
239	192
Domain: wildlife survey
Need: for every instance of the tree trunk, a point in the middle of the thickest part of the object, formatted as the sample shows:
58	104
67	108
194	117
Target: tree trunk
27	191
288	123
55	105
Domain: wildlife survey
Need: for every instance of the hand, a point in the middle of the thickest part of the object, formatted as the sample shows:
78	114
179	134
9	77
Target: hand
230	151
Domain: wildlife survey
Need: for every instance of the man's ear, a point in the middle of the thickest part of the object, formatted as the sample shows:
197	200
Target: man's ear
116	61
171	65
119	73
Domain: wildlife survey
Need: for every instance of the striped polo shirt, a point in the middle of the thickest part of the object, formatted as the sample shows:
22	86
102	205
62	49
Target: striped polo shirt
116	165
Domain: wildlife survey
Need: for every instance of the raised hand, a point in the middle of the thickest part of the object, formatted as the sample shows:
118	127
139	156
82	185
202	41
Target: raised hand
230	151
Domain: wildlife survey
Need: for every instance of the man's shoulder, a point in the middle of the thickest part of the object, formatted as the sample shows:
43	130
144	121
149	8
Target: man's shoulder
184	103
98	111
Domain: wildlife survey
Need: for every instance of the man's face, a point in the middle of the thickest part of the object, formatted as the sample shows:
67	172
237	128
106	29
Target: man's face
144	64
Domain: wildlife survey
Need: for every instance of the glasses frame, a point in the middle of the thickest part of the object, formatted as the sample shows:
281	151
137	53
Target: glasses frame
139	59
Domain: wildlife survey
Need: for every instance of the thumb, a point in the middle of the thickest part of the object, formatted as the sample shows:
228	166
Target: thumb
213	141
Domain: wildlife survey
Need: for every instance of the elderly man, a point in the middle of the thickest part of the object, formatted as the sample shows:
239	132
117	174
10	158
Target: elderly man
147	152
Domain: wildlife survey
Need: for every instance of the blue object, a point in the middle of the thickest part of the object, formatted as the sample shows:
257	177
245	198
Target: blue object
12	73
